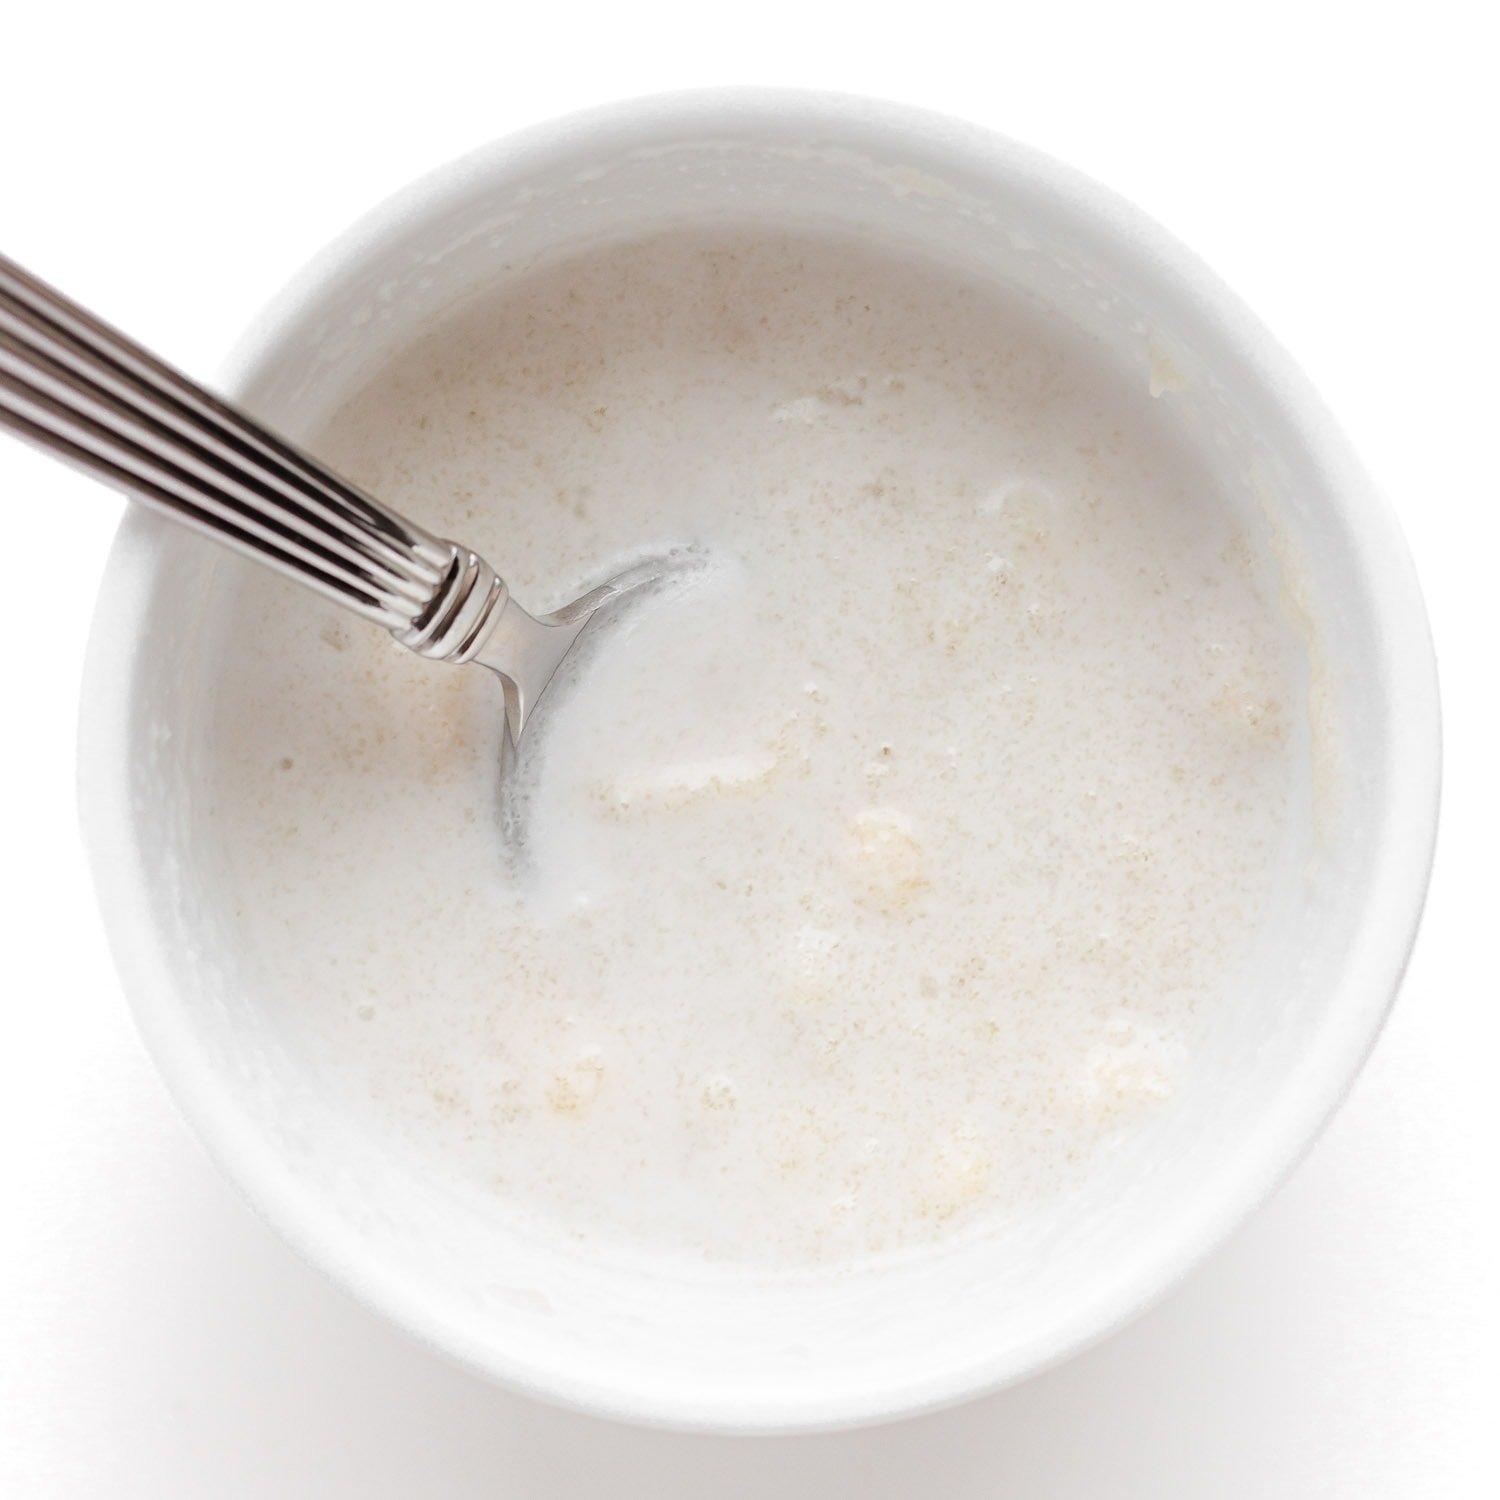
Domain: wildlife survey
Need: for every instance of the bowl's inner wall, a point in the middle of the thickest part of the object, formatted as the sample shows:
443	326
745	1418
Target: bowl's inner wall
437	1260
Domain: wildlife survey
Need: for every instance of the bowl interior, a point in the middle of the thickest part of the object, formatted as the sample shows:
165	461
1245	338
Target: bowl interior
733	1349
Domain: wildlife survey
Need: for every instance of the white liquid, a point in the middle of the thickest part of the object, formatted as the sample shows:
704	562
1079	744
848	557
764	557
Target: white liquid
880	881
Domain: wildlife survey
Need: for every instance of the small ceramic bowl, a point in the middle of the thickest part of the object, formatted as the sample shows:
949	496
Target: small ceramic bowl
743	1352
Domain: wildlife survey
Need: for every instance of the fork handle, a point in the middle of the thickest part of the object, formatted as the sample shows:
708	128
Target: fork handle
77	387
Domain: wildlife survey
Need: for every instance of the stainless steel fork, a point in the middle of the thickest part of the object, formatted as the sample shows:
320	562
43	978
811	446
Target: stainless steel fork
78	388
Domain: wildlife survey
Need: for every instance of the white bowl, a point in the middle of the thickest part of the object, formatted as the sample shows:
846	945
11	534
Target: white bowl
739	1352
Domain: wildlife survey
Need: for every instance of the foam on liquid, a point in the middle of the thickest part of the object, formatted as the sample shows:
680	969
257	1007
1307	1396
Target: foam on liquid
876	884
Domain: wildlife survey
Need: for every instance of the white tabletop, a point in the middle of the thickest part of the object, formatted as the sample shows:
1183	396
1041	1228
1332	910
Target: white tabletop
171	164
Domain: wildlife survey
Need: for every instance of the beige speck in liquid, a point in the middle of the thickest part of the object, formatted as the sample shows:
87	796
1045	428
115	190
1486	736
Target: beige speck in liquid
880	884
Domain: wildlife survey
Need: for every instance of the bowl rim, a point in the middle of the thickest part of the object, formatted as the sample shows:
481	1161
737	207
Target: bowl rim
1395	883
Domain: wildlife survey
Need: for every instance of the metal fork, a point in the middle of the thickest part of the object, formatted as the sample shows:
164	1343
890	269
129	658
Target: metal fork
86	393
